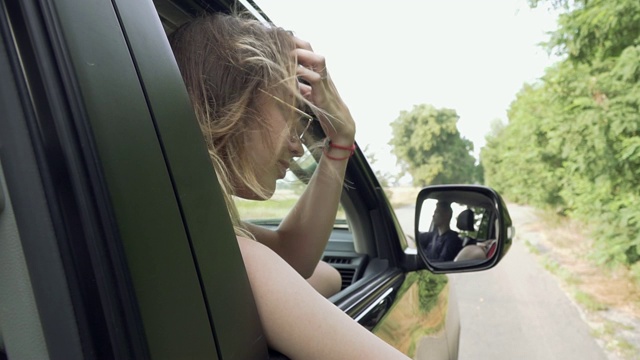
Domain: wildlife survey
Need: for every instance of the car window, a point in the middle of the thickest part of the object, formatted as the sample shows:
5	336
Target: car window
482	222
481	219
288	190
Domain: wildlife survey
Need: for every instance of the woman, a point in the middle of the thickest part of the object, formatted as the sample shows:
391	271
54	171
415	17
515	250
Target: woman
243	81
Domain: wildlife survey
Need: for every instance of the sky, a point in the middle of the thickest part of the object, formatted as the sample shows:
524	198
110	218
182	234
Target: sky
472	56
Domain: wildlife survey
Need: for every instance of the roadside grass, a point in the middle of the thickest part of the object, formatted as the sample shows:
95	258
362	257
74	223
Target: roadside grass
552	218
626	349
284	200
594	288
607	332
532	248
402	196
271	209
588	302
555	268
635	275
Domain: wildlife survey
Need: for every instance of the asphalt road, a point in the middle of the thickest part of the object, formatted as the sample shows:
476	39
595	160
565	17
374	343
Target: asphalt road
517	310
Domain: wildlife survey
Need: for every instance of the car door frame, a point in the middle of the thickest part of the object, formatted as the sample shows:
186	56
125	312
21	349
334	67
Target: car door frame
112	192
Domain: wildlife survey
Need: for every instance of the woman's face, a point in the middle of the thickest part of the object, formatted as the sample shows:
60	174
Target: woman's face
272	150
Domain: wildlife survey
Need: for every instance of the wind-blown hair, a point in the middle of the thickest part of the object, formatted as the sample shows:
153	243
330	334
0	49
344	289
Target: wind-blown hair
228	62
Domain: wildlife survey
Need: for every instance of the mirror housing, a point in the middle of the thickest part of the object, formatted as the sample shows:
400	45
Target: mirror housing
485	231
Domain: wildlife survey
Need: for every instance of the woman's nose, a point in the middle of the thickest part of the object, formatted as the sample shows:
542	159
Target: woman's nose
295	146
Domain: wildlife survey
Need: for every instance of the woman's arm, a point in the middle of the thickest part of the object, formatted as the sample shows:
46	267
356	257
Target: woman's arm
298	321
302	236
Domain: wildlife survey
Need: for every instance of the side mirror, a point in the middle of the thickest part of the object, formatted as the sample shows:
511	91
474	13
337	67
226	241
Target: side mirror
460	228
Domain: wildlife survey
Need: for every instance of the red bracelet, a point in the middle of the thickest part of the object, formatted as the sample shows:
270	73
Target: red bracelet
328	144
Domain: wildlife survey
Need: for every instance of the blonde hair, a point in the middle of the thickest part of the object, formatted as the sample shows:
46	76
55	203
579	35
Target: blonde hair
227	62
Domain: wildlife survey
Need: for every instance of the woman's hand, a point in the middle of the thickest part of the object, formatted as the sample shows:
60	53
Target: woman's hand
337	123
303	234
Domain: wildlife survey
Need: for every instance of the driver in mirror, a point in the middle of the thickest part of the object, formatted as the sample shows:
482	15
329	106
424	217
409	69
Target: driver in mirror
442	243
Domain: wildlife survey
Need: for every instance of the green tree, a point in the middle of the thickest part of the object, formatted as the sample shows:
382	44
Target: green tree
573	139
428	145
520	159
594	30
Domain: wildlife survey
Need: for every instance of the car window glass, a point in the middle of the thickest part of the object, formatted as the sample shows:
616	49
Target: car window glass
288	190
481	219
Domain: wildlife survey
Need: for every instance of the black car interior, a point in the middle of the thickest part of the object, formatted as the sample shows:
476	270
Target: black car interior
465	223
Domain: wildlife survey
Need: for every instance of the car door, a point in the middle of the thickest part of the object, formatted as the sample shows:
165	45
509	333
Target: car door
104	210
396	297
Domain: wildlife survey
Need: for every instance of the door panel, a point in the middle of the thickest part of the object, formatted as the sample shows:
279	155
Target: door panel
416	322
26	234
110	151
232	311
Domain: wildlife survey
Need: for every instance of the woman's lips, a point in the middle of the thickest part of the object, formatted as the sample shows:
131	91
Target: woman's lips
284	165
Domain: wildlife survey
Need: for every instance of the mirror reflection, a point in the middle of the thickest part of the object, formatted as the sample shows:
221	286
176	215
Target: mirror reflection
457	226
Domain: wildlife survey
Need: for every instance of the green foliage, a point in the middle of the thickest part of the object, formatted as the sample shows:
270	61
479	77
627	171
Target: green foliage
573	139
596	29
429	287
520	157
588	302
428	145
635	274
